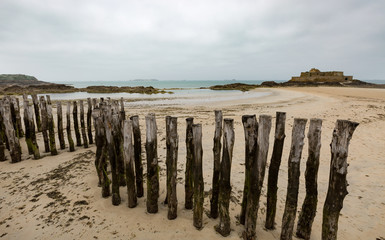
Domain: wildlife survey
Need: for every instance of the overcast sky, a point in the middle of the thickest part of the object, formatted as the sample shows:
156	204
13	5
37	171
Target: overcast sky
72	40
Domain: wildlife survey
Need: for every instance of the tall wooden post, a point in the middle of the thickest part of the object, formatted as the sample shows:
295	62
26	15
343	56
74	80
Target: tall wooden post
152	164
198	177
14	144
60	125
69	135
137	155
37	111
172	169
275	163
44	123
28	139
337	189
189	173
15	109
128	150
30	135
309	207
168	119
288	218
122	112
217	164
257	175
76	124
82	124
223	227
51	129
2	135
250	127
89	115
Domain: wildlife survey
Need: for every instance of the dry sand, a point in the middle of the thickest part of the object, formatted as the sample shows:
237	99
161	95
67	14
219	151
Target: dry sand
58	198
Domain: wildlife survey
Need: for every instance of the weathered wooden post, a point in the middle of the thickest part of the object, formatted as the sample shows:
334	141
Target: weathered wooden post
48	99
113	155
168	119
337	189
76	124
2	135
94	103
172	169
129	159
297	142
89	115
118	141
14	144
223	227
217	164
152	164
44	123
138	156
30	135
275	163
189	173
15	109
69	136
250	127
309	207
82	124
51	129
257	175
122	112
37	111
198	177
60	125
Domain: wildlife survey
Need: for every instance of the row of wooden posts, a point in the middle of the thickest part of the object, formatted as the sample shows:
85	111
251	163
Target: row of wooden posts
118	144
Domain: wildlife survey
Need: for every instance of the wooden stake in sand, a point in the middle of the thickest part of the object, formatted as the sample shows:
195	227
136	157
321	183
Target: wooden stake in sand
76	124
138	156
122	112
217	164
44	123
16	119
37	111
198	177
223	227
250	127
128	150
82	124
189	173
89	116
30	135
257	175
309	206
297	142
172	169
60	125
168	119
14	144
2	135
337	189
152	164
51	128
69	136
275	163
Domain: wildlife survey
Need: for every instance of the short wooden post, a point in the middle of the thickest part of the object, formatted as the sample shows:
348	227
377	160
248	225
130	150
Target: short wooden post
297	142
309	207
223	227
250	127
48	99
69	136
275	163
152	164
189	173
198	177
51	130
113	155
89	126
257	168
76	124
82	124
37	111
14	144
217	164
15	108
30	135
337	189
44	123
60	125
94	103
122	112
128	150
137	155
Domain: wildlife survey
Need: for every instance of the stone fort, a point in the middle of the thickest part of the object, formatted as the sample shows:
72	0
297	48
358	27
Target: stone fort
315	75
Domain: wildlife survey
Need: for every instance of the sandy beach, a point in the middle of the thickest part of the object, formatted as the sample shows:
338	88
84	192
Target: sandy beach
57	197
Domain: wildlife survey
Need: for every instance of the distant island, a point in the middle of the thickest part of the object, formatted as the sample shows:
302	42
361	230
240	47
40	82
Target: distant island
144	80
